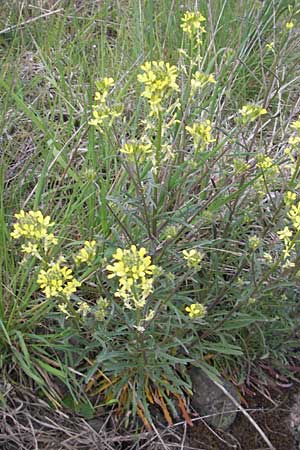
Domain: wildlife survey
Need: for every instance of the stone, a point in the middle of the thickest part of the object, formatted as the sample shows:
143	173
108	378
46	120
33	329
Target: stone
295	420
209	400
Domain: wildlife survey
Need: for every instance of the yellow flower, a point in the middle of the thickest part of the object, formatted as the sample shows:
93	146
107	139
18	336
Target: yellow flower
196	311
254	242
104	114
201	133
135	272
294	215
31	249
201	79
63	307
33	227
193	258
249	113
267	257
289	197
294	141
149	316
103	87
191	23
83	309
266	163
296	125
285	234
86	254
289	25
57	281
159	80
135	149
131	263
288	264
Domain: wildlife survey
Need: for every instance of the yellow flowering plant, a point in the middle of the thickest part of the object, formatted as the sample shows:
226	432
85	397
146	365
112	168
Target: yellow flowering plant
176	234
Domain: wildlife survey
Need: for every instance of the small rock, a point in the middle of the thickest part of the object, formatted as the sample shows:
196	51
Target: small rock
295	420
96	423
209	400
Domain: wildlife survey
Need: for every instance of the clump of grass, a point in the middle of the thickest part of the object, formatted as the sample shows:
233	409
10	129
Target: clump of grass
176	210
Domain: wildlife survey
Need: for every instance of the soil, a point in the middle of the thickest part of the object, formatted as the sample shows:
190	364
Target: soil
28	423
273	417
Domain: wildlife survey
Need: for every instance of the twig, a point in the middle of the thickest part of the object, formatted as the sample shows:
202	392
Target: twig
34	19
257	427
159	436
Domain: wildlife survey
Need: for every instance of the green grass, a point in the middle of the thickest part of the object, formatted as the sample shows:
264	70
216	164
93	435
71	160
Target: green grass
53	160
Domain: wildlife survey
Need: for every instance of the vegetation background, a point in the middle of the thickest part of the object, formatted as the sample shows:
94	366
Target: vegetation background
230	205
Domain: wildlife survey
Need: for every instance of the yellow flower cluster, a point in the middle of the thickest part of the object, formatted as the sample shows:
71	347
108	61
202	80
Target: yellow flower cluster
200	80
201	133
287	234
196	311
86	254
266	163
294	215
103	113
254	242
294	140
270	46
57	281
159	79
191	23
136	150
289	198
83	308
135	272
249	113
193	258
34	228
296	126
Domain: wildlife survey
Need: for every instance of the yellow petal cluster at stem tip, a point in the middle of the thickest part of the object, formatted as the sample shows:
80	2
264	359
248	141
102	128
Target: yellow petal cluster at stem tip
265	163
102	112
290	198
33	227
254	242
193	258
57	281
200	80
294	215
201	134
296	125
136	149
86	254
249	113
285	234
159	80
83	308
191	23
135	271
196	311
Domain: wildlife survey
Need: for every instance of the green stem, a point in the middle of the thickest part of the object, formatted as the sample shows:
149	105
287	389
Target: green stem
158	143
